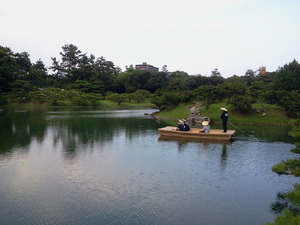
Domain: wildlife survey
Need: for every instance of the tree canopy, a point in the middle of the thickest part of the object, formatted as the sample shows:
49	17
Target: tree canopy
75	70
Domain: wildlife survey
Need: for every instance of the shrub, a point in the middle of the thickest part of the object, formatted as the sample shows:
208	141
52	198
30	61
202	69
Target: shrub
241	103
291	166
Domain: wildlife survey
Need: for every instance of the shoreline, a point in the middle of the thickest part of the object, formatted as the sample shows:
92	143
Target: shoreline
234	123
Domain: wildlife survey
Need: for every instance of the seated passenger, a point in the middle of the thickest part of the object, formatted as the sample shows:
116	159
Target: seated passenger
180	125
206	128
186	127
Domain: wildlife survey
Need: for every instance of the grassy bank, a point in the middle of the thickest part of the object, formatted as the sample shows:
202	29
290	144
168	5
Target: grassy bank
274	114
103	104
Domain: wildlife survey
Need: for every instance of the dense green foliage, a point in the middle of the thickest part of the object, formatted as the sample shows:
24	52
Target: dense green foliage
288	167
22	81
288	204
291	166
287	218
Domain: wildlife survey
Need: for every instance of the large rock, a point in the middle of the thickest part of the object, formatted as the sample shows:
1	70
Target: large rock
195	117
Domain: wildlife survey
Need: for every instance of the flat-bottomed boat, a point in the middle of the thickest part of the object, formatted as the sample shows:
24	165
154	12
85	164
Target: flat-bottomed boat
195	133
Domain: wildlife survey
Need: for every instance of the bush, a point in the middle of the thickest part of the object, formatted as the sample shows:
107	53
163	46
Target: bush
166	100
54	95
3	100
38	96
241	103
287	218
289	167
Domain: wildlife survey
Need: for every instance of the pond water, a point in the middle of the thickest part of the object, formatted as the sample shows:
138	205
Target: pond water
74	167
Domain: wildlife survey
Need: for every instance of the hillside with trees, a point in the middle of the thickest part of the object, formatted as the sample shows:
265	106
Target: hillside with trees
82	79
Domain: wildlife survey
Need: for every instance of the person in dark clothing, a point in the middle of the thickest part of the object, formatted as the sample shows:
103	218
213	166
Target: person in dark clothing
224	116
180	125
186	127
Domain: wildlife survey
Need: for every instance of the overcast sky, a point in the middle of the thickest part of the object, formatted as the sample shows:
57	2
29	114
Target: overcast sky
194	36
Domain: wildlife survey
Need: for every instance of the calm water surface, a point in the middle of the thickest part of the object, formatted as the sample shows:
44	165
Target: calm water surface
111	167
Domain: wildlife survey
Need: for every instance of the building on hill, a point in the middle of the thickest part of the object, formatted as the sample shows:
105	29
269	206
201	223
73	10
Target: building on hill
262	70
147	67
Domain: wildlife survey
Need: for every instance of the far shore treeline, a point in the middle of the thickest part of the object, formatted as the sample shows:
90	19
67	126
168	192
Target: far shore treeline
80	79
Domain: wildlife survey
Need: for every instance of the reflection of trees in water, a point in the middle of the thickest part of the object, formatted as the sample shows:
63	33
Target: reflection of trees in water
264	133
17	130
281	203
206	145
83	133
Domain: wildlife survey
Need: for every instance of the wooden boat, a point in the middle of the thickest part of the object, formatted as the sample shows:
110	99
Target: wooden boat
194	133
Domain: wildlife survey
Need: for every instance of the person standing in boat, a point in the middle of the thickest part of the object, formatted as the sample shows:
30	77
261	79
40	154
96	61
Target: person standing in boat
206	127
224	116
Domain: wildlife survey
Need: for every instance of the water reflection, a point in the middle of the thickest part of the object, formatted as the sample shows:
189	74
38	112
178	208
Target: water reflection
281	203
208	145
74	130
83	167
17	130
266	133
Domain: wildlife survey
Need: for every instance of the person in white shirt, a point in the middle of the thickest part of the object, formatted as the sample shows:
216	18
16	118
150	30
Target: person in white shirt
206	127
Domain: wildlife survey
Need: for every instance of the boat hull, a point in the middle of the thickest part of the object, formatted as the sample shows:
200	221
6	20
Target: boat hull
194	133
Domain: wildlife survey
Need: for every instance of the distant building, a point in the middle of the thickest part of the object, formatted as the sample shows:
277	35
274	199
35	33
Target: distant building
262	70
147	67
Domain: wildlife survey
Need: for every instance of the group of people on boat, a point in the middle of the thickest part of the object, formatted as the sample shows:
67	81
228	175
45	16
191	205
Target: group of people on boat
183	125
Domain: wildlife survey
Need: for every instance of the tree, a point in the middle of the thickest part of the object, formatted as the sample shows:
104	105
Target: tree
105	71
21	90
55	95
288	77
81	85
38	96
158	101
256	88
164	69
208	94
290	102
8	69
136	97
250	73
216	78
215	73
156	81
71	59
24	64
78	66
287	100
97	87
179	81
37	74
3	100
230	89
118	98
200	80
241	103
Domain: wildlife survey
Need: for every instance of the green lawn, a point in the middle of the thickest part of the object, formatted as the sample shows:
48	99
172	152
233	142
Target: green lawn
275	115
